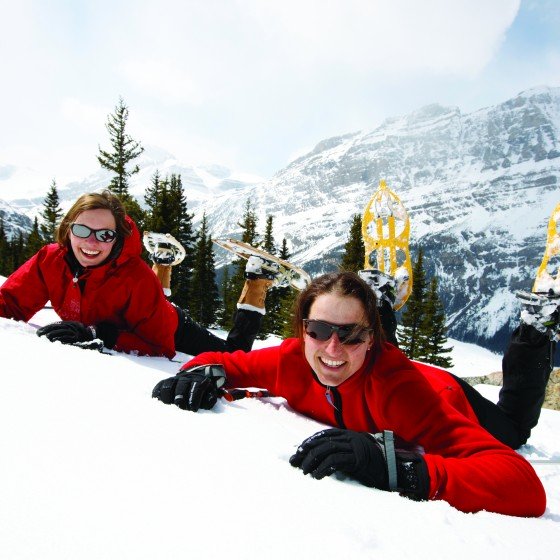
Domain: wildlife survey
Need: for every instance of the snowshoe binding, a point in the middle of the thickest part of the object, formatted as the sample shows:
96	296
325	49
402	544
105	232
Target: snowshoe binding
386	232
541	311
164	249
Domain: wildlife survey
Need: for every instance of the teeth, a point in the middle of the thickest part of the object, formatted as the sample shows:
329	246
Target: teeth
91	253
332	363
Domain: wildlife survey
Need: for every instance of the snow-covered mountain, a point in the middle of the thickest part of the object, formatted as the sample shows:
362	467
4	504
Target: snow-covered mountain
479	187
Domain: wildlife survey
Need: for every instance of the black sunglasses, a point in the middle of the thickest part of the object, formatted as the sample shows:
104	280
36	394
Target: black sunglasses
347	334
105	235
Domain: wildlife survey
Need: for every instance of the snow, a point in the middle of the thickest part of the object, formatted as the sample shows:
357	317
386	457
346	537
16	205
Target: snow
92	467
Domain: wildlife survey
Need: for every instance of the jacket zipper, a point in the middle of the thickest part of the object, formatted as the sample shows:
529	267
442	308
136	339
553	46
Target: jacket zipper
335	400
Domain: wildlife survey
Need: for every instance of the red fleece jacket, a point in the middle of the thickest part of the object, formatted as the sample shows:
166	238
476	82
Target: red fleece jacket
124	292
424	405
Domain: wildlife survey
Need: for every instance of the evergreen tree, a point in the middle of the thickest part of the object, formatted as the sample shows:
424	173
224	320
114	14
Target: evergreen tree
16	251
182	229
271	323
33	242
412	316
154	220
124	151
4	250
288	298
431	348
203	302
51	214
248	235
353	258
168	213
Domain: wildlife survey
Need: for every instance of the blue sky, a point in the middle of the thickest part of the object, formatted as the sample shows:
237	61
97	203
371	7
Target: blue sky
251	83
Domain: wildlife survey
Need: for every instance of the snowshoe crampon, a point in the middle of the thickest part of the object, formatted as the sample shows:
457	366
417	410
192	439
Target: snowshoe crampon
386	232
284	273
547	279
164	249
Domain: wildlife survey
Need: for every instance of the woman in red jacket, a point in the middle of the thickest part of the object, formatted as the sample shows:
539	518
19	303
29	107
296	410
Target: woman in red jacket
100	287
340	371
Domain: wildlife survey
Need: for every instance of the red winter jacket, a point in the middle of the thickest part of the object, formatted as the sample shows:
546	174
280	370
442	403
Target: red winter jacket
424	405
124	291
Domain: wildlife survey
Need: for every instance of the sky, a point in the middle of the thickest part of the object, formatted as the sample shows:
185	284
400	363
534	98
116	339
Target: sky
251	84
92	467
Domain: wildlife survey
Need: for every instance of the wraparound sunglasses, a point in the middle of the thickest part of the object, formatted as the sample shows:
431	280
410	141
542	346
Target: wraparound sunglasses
104	235
347	334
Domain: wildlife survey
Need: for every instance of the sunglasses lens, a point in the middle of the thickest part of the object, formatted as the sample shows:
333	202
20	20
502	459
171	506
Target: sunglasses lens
318	330
105	235
80	231
321	330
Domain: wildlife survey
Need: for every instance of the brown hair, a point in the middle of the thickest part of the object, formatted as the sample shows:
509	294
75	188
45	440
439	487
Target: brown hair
347	284
105	200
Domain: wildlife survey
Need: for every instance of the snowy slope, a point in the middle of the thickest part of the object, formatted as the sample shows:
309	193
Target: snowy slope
92	467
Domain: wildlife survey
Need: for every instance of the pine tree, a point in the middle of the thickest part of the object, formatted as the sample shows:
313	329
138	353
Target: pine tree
33	242
124	150
288	298
16	251
183	231
203	302
249	235
353	257
431	347
51	214
412	317
154	221
4	250
271	321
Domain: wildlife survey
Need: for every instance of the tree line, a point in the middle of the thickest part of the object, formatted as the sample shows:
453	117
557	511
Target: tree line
194	285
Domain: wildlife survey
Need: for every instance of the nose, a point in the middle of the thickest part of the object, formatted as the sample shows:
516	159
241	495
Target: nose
334	346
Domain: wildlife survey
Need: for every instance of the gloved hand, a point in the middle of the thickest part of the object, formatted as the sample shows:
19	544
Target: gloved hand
67	332
74	332
192	389
364	458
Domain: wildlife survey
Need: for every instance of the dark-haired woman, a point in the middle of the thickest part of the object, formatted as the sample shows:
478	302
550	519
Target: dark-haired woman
340	372
101	288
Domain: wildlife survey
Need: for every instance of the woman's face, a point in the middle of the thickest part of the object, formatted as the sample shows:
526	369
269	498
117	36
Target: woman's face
90	251
332	361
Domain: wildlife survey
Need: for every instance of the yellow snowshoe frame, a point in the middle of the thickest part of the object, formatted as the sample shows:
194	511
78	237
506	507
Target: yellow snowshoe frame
544	278
386	232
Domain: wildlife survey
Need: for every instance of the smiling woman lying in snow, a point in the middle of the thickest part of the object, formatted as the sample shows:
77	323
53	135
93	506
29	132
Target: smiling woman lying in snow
450	443
102	290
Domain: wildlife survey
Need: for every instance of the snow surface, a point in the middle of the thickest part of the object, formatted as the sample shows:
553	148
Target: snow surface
92	467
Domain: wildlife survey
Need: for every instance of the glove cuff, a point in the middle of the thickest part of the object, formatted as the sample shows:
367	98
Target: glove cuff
107	332
214	372
412	475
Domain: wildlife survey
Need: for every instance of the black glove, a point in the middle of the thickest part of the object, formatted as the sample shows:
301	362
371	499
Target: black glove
74	332
67	332
199	387
371	460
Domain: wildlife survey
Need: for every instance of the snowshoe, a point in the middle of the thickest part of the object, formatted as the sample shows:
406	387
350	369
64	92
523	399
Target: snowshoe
281	272
164	249
386	232
545	279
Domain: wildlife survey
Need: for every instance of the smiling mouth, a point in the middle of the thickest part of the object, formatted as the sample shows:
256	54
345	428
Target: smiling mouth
90	253
332	363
